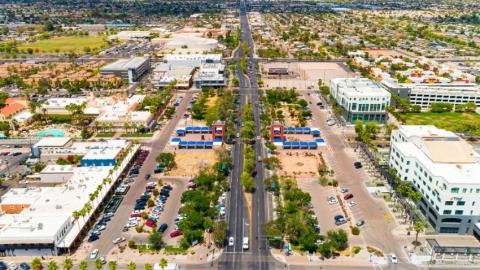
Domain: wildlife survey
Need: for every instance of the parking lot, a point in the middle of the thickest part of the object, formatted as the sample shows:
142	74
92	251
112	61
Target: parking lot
137	182
378	223
128	49
11	159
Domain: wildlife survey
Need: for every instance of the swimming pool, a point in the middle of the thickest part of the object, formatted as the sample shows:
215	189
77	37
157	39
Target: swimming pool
51	132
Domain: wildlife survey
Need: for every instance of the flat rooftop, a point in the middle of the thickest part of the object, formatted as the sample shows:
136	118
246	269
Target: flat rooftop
125	64
360	86
53	142
48	209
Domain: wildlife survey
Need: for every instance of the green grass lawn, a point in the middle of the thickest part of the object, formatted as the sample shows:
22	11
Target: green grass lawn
65	44
453	121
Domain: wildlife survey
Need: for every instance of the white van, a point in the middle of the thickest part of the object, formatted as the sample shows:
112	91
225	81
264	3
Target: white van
245	243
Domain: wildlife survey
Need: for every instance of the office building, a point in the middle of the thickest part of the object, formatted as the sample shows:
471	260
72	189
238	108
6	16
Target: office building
210	75
131	69
445	169
360	99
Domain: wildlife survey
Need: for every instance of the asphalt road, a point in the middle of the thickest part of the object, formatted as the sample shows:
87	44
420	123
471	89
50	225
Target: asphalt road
157	144
237	213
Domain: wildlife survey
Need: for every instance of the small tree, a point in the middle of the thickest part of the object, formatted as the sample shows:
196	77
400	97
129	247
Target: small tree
163	263
36	264
419	226
148	266
83	265
98	264
132	266
355	230
52	265
247	182
220	233
131	244
155	240
112	265
67	264
166	160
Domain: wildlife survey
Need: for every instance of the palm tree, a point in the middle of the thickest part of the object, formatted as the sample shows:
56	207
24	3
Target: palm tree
52	265
92	196
98	264
163	263
147	266
67	264
83	265
132	266
112	265
36	264
419	226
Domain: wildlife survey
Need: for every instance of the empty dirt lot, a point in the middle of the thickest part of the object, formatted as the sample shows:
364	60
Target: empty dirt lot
305	74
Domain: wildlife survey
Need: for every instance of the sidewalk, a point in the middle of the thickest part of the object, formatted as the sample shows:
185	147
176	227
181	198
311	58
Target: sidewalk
363	258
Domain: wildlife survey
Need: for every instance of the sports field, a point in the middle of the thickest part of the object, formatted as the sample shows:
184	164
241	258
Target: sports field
65	44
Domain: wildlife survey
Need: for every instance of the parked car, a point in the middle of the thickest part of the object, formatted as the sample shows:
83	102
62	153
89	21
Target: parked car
175	233
25	266
94	254
3	266
332	200
360	223
393	258
357	165
119	240
352	204
231	241
147	176
13	266
343	190
339	220
348	196
162	228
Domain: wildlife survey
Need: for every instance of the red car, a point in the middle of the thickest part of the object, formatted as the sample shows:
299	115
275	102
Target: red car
175	233
348	196
150	223
135	215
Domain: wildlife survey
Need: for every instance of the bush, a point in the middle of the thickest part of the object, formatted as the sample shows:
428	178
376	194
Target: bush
150	203
355	230
131	244
139	228
335	183
155	192
356	249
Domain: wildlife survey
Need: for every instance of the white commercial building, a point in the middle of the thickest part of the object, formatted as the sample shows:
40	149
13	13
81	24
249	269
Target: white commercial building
180	68
426	94
360	99
210	75
42	220
58	105
445	169
193	60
